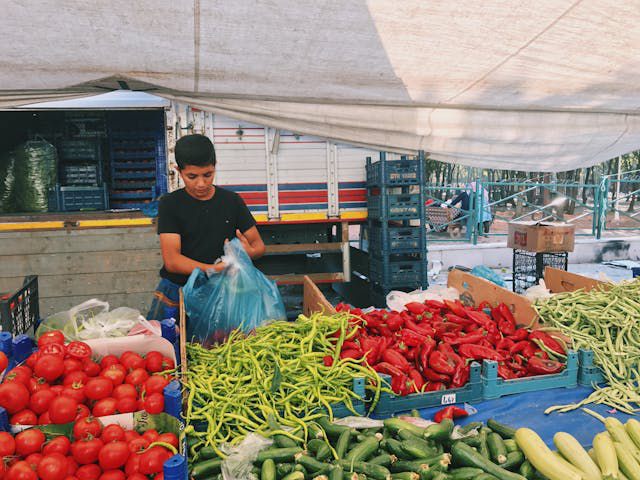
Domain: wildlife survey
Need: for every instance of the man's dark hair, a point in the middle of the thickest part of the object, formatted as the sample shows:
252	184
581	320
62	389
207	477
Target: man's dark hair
195	150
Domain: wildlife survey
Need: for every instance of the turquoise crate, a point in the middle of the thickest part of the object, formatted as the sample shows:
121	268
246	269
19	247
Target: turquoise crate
340	410
397	173
399	207
588	372
390	404
496	387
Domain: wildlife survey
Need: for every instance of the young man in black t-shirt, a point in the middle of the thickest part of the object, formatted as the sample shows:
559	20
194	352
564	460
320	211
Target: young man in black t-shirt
195	221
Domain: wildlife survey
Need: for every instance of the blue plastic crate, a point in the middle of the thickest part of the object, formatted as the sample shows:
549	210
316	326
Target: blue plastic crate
85	149
397	271
390	404
131	195
397	240
73	198
340	410
150	165
125	175
396	173
399	207
588	372
496	387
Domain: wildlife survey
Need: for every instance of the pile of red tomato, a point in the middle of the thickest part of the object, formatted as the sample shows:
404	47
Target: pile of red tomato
97	453
62	383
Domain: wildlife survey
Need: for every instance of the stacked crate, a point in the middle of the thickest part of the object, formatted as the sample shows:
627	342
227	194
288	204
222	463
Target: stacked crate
397	233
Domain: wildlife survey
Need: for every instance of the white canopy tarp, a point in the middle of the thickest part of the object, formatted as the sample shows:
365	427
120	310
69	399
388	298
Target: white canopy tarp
547	85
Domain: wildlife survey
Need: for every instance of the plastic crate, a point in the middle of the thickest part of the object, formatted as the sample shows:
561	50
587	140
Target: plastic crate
390	404
340	410
396	173
588	372
75	198
85	149
528	267
397	240
79	175
131	195
395	271
495	387
19	311
399	207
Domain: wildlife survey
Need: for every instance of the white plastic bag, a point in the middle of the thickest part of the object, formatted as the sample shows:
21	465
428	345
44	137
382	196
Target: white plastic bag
239	461
396	300
538	292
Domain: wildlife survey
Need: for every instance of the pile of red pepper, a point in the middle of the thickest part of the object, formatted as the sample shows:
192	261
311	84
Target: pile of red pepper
430	346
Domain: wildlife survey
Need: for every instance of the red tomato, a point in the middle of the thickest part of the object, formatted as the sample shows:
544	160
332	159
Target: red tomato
75	377
132	361
168	364
14	397
7	444
89	472
104	407
113	455
151	435
169	438
20	374
37	384
4	361
154	403
152	460
153	362
138	445
159	476
53	349
29	441
86	451
49	367
59	445
63	410
57	389
40	401
72	365
75	391
44	419
112	433
34	460
21	471
113	475
91	368
109	360
24	417
137	476
137	377
130	435
133	465
53	467
87	427
126	405
32	359
125	390
82	412
115	373
72	467
98	388
79	351
54	336
71	477
156	384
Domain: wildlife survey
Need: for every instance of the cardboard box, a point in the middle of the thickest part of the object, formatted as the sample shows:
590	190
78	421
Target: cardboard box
541	237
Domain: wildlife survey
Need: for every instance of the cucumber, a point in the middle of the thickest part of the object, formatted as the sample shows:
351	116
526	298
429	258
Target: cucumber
207	468
486	476
363	450
497	449
294	476
278	454
471	441
405	434
383	459
300	468
483	448
514	460
268	471
319	448
464	473
526	470
395	448
312	465
372	431
418	450
439	432
405	476
377	472
511	445
465	456
207	452
395	424
283	469
419	465
314	431
504	431
342	445
336	473
332	430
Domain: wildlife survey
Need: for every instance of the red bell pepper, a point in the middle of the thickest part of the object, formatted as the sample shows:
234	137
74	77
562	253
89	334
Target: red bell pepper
506	327
539	366
351	353
519	347
371	348
519	335
385	332
478	352
435	386
481	319
541	354
505	312
434	376
412	338
412	353
424	330
425	351
505	344
416	378
416	308
459	320
505	372
396	359
469	338
548	341
387	369
350	345
400	385
461	376
450	412
442	363
456	308
394	321
435	304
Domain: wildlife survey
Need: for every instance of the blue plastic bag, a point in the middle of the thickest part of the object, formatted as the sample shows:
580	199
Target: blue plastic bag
488	274
240	296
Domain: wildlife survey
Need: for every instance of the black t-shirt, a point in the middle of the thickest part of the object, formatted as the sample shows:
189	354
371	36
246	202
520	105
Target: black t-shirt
203	225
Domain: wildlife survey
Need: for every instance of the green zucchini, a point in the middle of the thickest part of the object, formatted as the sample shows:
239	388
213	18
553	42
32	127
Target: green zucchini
207	468
511	445
405	476
514	460
418	450
504	431
363	450
526	470
336	473
416	465
497	448
377	472
268	471
331	429
342	444
314	431
439	432
319	448
485	476
405	434
372	431
294	476
395	448
471	426
283	469
483	448
464	456
471	441
207	452
383	459
300	468
395	424
278	454
464	473
311	464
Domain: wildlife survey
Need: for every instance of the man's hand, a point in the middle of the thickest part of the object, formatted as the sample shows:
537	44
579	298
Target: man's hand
245	244
215	268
